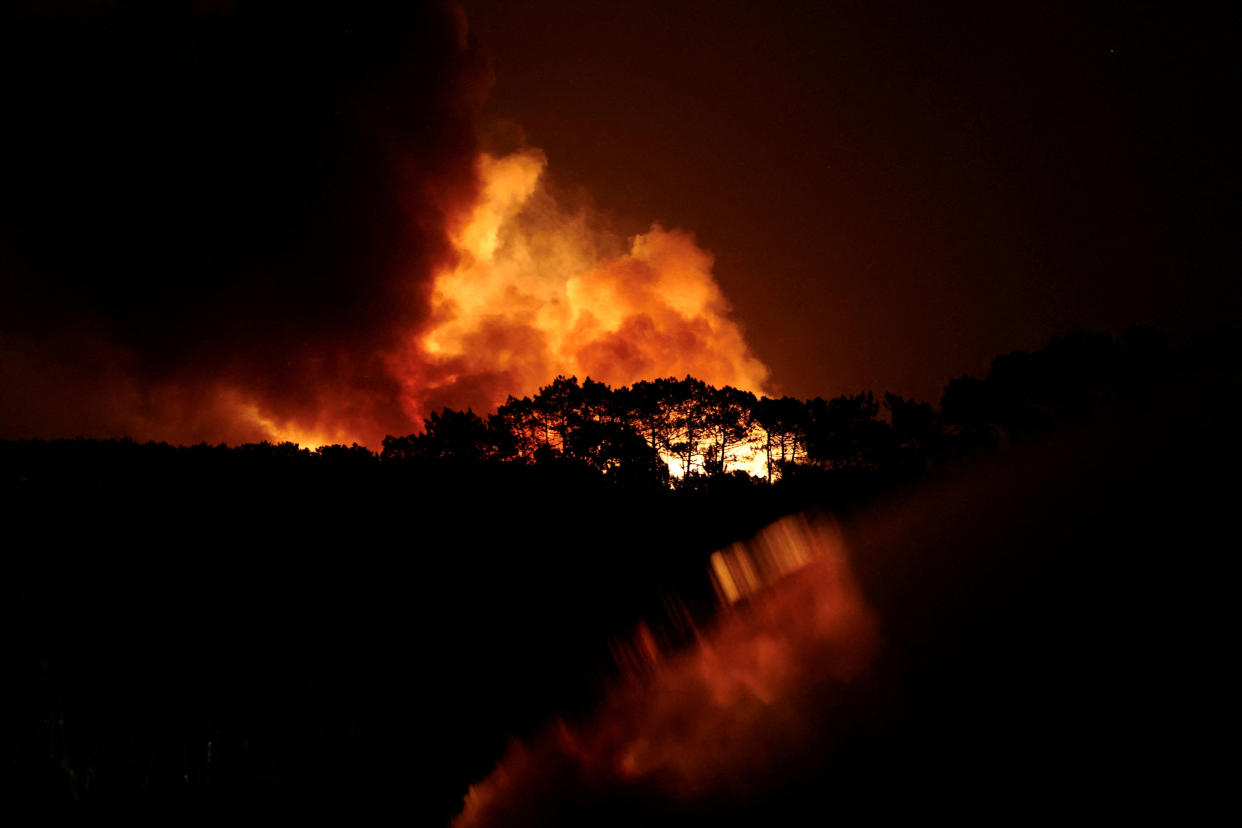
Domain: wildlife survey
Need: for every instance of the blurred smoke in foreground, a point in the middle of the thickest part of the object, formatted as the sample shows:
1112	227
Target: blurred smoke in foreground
793	632
1056	622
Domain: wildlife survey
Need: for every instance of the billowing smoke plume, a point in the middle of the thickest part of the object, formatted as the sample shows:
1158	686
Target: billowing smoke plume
218	217
232	222
539	290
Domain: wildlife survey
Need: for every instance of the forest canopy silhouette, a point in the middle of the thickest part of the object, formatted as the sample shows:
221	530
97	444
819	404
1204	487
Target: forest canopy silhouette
680	432
285	625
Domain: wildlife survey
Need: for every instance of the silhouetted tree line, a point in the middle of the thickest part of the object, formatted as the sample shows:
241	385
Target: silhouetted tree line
684	433
637	434
270	621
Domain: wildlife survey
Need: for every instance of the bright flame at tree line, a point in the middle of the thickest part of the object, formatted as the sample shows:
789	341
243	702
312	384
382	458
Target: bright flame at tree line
679	426
537	292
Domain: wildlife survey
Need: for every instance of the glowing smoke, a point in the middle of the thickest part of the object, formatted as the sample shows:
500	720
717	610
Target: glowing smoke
539	292
240	223
708	722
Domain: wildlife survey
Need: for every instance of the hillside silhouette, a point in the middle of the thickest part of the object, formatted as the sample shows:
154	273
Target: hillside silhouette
268	623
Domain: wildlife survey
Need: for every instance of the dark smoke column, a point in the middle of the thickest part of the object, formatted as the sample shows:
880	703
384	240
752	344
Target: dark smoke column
214	214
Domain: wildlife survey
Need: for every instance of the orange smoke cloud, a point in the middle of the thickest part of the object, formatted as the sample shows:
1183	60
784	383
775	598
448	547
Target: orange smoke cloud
538	291
272	272
535	291
708	721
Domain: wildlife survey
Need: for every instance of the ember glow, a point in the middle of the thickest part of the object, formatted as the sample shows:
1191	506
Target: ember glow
707	721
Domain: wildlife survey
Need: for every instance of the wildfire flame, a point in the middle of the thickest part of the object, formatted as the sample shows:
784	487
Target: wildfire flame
533	291
336	282
537	292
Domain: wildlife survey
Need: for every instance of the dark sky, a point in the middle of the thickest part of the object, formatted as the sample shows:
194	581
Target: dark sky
895	192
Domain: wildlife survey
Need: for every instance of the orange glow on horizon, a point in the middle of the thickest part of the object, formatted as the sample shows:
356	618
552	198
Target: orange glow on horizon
291	432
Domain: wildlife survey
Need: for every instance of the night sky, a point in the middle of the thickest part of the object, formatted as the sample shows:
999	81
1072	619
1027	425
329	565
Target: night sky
215	198
896	192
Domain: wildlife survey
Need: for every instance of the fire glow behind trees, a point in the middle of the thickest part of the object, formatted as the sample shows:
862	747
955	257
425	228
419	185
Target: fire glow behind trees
614	287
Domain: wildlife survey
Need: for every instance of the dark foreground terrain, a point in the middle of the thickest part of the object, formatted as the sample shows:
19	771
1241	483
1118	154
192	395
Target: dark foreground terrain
250	626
